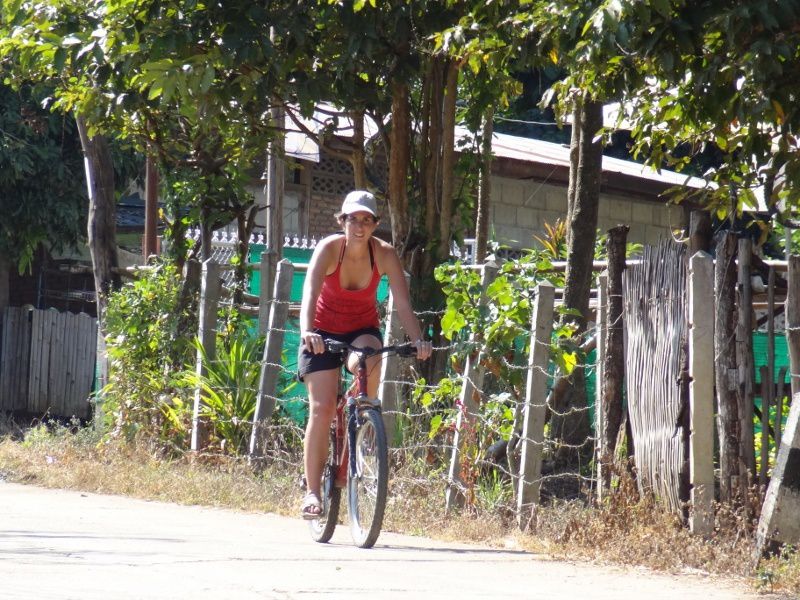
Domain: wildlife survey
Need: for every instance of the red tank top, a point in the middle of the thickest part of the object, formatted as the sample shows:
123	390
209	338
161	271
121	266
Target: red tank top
340	310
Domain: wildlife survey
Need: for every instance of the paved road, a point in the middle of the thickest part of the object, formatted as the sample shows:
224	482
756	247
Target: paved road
72	545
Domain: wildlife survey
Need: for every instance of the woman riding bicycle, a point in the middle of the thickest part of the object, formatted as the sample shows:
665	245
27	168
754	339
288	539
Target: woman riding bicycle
339	302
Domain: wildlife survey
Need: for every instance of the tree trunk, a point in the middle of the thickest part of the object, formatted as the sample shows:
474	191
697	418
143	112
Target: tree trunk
399	156
448	159
244	228
614	355
102	224
102	235
570	421
358	159
574	160
206	234
432	154
582	210
725	368
485	188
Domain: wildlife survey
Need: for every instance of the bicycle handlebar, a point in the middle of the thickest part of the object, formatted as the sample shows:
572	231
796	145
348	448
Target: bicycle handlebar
408	349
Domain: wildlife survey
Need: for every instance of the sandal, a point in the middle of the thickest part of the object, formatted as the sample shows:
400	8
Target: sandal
312	507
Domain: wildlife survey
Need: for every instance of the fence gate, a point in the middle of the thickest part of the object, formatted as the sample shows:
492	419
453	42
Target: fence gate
47	362
656	327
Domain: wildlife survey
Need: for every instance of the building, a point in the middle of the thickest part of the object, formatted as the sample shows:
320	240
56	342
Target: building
529	189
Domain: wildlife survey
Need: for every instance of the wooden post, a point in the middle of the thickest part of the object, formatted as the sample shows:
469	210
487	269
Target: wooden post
779	396
468	403
745	364
770	400
793	322
210	289
530	467
390	371
274	198
779	522
725	365
614	354
700	231
264	291
701	393
271	363
765	408
599	377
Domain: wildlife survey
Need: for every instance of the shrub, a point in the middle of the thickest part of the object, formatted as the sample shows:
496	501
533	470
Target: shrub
146	355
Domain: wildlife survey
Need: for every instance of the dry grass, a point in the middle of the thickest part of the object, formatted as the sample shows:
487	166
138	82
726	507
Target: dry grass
626	530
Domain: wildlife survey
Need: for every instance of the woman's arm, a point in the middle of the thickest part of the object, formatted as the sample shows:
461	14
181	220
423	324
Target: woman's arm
402	300
317	269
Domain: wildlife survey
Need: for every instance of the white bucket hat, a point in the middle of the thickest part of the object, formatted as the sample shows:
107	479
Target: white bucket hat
358	201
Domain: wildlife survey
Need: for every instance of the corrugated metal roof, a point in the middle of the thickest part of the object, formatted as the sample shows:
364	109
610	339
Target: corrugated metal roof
548	153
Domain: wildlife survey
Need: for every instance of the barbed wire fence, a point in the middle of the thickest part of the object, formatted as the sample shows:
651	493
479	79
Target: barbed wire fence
481	436
484	440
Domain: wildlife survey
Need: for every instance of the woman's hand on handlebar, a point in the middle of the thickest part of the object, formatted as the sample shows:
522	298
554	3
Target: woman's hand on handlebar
424	349
314	342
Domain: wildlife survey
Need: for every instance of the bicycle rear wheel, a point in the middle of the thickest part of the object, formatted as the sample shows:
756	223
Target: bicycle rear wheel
368	487
322	528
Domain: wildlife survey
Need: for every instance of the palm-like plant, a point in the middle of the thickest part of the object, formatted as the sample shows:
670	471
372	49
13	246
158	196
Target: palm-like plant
229	389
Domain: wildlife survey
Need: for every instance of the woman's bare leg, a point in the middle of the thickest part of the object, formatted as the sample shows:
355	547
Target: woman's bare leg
322	391
373	363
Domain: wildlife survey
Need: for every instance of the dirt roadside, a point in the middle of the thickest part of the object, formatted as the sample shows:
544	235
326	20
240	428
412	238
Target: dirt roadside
65	545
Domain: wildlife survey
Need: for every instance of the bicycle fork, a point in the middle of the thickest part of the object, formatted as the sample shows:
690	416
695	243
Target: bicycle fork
352	416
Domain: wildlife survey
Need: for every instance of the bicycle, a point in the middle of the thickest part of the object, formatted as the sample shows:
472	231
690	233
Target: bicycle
365	472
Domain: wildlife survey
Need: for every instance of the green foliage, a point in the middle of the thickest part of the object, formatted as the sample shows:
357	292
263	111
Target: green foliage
689	78
499	323
437	404
229	388
50	432
493	493
190	84
42	189
146	354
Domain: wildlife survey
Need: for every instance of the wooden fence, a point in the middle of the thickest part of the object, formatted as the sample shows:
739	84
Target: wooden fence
47	362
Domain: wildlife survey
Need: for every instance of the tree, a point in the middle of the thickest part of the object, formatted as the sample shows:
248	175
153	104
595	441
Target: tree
705	74
42	191
188	83
713	74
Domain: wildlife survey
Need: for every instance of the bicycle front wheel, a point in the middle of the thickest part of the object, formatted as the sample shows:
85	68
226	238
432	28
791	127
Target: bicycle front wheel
368	486
322	528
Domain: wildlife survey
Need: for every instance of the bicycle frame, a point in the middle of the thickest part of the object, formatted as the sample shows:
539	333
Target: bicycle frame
346	420
358	458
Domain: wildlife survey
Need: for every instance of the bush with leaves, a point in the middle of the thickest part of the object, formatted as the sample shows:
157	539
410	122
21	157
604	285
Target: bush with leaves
495	325
146	358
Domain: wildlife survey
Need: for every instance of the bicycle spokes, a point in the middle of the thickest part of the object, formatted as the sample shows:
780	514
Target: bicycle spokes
368	486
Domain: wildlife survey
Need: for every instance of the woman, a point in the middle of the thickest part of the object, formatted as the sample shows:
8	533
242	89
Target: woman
339	301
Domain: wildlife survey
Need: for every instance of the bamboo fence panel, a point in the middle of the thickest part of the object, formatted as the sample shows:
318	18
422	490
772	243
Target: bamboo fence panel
656	327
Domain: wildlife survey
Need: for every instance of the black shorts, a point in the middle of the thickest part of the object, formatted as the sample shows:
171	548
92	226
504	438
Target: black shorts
308	362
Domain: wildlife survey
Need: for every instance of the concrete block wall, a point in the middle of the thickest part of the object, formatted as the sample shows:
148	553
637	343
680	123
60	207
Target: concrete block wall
520	210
